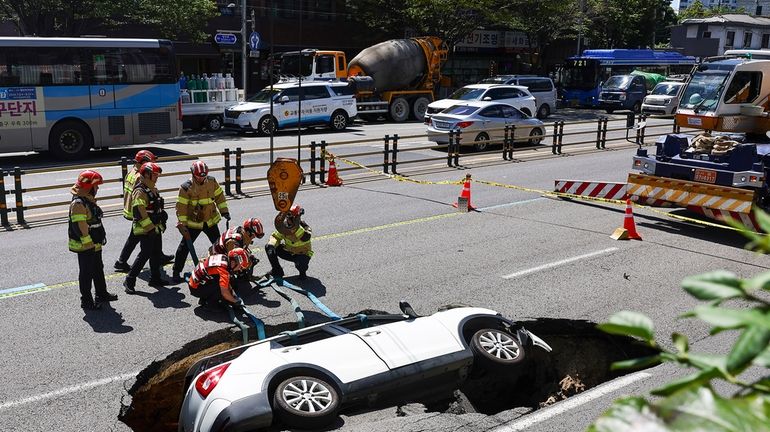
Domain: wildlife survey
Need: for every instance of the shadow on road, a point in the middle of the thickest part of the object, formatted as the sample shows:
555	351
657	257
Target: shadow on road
106	320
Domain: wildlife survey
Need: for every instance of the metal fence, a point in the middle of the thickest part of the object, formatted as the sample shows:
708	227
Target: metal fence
238	173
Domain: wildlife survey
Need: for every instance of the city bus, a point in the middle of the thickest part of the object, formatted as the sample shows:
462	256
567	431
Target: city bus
581	76
69	95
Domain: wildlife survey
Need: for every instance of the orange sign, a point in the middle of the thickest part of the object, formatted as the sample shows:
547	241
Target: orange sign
284	177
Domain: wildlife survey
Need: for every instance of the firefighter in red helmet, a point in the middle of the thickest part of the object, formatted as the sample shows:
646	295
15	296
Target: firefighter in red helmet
86	238
211	279
240	237
290	241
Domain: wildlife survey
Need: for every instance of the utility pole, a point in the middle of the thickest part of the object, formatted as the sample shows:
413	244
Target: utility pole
244	54
581	4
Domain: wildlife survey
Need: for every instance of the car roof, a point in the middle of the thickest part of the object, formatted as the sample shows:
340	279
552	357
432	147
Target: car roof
487	86
290	84
670	83
479	104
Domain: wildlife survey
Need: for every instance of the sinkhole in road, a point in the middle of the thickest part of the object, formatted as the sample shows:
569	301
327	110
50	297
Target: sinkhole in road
580	360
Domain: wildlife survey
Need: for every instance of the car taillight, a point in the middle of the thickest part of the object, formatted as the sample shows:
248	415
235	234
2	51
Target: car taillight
208	380
464	124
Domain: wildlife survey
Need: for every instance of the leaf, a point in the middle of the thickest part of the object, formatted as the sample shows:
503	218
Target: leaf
701	409
713	286
627	323
628	414
708	361
760	281
693	380
680	342
636	363
763	220
750	344
763	359
730	318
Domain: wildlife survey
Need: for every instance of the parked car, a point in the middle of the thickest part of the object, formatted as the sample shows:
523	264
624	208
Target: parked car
542	88
621	92
516	96
482	122
307	376
663	99
323	103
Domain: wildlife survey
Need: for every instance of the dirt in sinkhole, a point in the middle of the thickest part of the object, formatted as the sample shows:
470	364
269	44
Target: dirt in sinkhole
580	360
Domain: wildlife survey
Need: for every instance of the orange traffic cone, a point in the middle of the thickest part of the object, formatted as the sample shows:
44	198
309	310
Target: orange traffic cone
629	226
334	179
464	200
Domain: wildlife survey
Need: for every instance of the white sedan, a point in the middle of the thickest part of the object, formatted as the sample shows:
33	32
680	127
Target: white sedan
306	377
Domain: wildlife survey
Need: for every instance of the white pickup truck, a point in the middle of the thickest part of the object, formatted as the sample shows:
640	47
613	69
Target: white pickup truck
205	108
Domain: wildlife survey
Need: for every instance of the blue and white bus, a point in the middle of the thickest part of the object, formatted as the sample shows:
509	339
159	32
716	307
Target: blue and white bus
68	95
581	76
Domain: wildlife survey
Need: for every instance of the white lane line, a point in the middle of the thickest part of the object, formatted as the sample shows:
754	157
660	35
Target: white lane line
559	263
68	390
511	204
573	402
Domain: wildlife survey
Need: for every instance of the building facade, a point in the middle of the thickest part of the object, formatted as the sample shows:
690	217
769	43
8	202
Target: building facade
712	36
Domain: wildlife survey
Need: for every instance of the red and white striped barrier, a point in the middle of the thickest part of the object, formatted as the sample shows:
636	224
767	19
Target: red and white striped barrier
606	190
722	215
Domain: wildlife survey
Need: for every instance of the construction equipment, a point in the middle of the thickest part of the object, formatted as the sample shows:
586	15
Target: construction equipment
397	77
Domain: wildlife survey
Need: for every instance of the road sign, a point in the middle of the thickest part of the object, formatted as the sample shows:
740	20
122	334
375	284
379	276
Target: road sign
225	38
254	41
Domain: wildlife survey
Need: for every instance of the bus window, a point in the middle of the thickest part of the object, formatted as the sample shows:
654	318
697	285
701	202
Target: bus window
106	66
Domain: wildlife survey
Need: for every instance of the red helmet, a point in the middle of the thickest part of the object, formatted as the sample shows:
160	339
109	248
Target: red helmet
296	210
143	156
239	259
199	169
88	179
254	226
150	168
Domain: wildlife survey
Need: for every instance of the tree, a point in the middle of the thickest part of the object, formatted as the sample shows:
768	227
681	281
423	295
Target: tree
171	18
698	10
691	403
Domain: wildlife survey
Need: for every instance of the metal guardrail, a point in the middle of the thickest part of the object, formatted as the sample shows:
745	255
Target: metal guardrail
236	172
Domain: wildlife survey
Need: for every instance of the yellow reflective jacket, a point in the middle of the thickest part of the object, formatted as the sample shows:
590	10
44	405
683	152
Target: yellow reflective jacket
296	241
84	217
128	187
200	204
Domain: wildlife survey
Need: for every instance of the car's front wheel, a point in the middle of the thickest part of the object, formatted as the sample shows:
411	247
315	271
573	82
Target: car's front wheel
496	348
266	125
306	402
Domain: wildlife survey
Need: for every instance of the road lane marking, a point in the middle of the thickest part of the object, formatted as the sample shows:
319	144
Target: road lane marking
572	402
23	290
68	390
559	263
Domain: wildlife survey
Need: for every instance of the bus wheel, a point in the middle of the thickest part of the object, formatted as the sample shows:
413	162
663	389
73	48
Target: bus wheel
70	140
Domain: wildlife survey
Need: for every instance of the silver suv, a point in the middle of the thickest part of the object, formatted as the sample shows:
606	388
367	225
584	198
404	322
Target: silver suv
542	89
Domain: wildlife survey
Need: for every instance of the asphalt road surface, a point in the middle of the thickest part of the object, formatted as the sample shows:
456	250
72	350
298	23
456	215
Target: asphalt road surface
376	242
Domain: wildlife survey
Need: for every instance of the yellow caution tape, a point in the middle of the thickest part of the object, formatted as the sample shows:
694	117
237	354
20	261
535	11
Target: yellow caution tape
396	177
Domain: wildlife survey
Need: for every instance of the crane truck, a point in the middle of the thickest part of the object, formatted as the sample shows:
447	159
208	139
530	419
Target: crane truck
721	173
397	78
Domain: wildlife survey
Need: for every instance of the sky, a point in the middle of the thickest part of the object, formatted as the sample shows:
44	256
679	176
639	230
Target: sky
675	4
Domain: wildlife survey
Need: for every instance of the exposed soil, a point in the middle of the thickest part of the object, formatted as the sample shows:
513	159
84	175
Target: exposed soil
580	360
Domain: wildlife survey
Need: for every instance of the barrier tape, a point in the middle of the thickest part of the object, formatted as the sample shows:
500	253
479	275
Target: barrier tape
398	177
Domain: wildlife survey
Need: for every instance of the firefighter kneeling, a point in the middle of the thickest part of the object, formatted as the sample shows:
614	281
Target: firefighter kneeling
290	241
210	282
240	237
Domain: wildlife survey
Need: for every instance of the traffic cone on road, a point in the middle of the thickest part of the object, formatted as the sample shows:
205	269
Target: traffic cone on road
628	232
464	200
334	179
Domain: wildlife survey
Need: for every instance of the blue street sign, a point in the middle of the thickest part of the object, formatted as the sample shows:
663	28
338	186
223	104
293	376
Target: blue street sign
225	38
254	41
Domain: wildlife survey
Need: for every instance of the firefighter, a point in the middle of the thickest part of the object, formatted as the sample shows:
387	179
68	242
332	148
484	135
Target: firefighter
149	222
210	281
198	209
141	157
86	238
240	237
290	241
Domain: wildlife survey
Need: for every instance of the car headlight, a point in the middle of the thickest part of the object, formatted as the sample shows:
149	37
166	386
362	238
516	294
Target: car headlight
250	111
622	97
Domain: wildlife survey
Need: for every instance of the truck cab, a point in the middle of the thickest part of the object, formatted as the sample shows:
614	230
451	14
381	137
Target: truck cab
315	64
623	92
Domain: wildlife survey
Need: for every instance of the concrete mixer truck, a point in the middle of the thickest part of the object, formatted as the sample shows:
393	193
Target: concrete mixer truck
396	78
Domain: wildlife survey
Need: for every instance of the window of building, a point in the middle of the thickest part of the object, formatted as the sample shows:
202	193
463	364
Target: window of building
747	39
706	34
766	40
730	39
759	11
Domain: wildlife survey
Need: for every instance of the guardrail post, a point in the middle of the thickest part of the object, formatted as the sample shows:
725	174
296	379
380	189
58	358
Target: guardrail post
677	129
312	163
450	148
238	167
394	159
323	161
605	120
643	129
555	137
561	136
227	172
458	138
599	133
505	142
123	173
3	203
18	193
511	142
386	155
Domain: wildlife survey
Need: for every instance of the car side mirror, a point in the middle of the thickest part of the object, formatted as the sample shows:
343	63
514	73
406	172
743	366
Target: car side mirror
283	99
487	98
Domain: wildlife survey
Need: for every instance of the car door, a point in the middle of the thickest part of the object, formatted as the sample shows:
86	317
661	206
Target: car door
316	105
287	112
514	117
411	341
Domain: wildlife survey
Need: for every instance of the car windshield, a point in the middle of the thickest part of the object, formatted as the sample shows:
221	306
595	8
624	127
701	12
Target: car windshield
290	64
461	110
263	96
617	81
703	91
467	93
666	89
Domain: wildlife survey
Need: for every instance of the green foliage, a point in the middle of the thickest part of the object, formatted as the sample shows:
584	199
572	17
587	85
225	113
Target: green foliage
690	403
698	10
169	18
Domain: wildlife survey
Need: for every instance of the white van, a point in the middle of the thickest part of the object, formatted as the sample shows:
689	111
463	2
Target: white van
331	103
542	89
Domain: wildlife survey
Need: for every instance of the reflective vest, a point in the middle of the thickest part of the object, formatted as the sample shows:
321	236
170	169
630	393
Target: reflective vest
200	204
293	242
128	187
147	210
85	230
229	240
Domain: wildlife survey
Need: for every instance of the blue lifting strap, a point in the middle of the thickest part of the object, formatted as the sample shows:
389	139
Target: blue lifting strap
312	298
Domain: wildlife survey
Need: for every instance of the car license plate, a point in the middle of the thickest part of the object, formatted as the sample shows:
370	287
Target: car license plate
705	176
441	125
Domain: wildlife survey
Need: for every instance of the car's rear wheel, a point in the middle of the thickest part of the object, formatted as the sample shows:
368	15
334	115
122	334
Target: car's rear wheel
399	110
306	402
214	123
637	108
543	112
535	136
339	120
481	142
419	107
494	348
